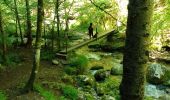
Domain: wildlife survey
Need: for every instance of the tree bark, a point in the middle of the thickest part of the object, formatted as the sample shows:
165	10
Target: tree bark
18	19
58	24
4	49
136	49
36	63
29	35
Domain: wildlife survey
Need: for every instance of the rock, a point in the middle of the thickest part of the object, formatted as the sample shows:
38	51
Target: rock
67	79
165	97
100	75
167	83
85	80
117	69
94	46
152	91
107	97
100	89
87	93
106	54
55	62
167	90
93	56
96	67
157	73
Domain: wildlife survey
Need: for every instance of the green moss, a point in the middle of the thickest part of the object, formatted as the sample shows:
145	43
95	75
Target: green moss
111	86
45	93
70	70
70	92
2	95
79	62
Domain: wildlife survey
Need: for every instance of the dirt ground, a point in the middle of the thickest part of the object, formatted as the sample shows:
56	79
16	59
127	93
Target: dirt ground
13	78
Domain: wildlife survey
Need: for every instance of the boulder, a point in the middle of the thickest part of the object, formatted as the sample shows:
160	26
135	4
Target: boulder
55	62
87	93
117	69
107	97
85	80
100	89
152	91
157	73
93	56
101	75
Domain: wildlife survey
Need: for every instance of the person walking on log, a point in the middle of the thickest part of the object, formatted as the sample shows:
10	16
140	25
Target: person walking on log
90	30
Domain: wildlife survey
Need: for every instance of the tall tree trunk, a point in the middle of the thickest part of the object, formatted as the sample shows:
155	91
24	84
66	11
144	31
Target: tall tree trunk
3	38
136	49
36	63
52	30
45	38
18	19
67	15
29	35
58	24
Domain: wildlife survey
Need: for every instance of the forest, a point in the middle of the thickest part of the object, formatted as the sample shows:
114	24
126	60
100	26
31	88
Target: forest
84	49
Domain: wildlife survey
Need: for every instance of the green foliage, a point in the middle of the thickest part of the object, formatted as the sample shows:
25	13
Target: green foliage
70	92
2	95
79	62
45	93
70	70
12	59
47	55
149	98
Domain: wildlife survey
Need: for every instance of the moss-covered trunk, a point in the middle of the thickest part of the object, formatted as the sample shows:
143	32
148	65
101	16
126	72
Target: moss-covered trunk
29	36
3	38
36	63
136	49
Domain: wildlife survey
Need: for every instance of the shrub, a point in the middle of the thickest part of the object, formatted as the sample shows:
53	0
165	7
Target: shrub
80	63
46	94
11	59
47	55
70	92
70	70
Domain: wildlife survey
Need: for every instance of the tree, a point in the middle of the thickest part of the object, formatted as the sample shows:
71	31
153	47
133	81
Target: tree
18	19
36	63
3	38
29	36
67	10
136	49
58	22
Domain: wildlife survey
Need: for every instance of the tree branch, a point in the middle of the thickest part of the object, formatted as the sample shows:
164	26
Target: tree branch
106	12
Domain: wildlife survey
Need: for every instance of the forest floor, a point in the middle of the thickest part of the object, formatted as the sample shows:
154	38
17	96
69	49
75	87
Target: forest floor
13	79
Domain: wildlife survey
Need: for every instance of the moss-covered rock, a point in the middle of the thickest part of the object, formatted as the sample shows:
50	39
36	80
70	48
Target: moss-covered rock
101	75
117	69
86	80
157	73
55	62
107	97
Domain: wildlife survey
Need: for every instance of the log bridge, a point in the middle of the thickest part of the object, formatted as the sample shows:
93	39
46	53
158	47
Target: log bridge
63	53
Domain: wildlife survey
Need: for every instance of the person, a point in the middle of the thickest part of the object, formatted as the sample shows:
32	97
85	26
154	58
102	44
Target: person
90	30
95	35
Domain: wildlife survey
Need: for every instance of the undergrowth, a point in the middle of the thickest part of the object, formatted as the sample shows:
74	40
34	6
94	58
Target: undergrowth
2	95
69	92
77	65
48	95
